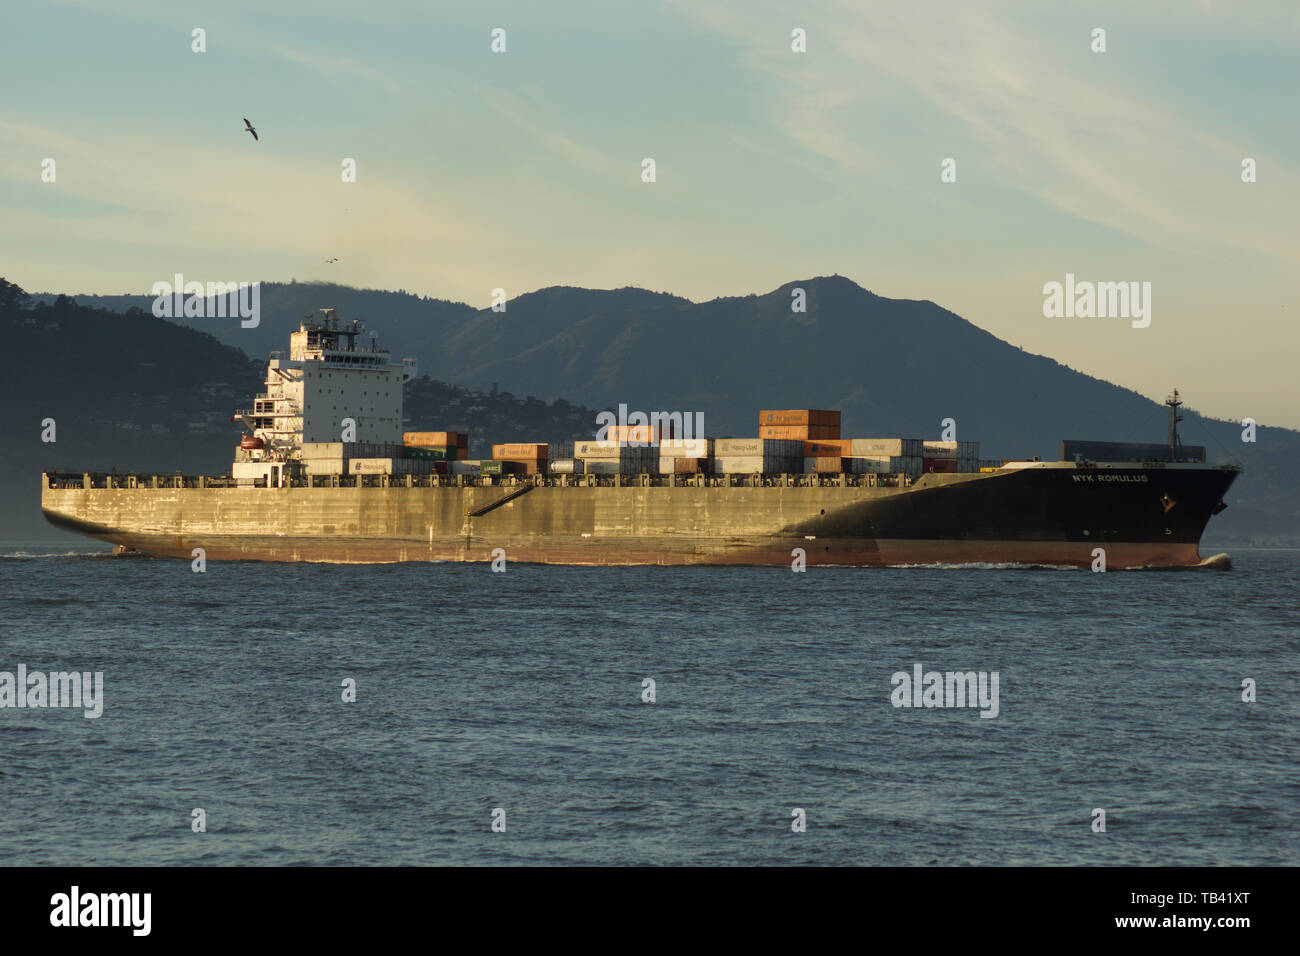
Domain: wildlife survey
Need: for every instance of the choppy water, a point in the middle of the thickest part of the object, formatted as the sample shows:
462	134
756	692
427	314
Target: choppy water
523	691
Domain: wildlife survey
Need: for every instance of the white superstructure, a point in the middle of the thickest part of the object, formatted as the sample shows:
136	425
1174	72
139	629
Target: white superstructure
335	387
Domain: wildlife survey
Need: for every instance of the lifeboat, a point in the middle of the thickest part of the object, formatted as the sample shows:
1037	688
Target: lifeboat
250	442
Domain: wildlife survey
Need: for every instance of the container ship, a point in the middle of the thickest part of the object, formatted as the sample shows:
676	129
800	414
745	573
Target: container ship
325	472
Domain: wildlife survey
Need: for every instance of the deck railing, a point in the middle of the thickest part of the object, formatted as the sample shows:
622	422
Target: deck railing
130	481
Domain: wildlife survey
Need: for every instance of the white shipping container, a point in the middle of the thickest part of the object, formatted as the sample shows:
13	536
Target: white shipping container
751	447
322	450
597	449
323	466
737	464
370	466
389	466
686	448
885	447
464	467
890	465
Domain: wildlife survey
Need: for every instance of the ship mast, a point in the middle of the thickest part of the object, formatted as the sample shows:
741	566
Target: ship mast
1174	418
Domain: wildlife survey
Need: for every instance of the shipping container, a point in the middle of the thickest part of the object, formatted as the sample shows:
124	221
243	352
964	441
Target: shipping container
519	451
885	447
633	434
686	447
322	449
566	466
597	449
826	465
738	464
800	416
464	467
744	447
690	466
614	466
800	432
497	467
748	464
434	439
951	449
430	453
939	466
388	466
324	466
831	448
888	465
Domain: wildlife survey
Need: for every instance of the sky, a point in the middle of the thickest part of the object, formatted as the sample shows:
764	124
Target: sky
522	169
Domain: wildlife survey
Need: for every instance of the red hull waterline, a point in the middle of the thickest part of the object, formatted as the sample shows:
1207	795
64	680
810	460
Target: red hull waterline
672	551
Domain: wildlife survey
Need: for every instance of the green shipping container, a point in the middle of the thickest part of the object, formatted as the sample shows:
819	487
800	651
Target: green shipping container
431	453
497	468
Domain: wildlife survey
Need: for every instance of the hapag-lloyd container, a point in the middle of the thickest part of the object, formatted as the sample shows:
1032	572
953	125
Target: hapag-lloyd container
767	447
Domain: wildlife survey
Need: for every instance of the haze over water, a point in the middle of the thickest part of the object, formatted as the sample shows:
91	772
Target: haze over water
523	691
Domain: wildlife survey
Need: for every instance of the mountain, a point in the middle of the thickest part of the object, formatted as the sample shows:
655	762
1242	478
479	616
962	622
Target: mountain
894	367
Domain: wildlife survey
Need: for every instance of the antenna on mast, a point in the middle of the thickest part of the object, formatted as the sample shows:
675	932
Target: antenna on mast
1174	418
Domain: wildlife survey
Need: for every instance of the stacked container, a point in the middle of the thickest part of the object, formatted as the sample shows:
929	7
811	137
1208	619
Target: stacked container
770	456
616	458
804	424
892	456
526	458
674	451
435	446
965	453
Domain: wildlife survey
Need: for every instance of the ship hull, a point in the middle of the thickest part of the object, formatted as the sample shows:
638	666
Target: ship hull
1054	515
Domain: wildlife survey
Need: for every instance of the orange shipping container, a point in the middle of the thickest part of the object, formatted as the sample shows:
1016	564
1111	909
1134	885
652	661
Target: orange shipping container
799	416
830	466
434	439
689	466
519	452
800	432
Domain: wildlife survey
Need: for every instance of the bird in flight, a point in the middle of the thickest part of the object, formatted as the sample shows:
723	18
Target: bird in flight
249	127
332	260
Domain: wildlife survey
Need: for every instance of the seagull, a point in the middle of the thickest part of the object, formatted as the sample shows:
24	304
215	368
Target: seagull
332	260
249	127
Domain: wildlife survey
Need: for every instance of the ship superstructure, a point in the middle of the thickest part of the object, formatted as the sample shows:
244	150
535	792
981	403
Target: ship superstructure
336	386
